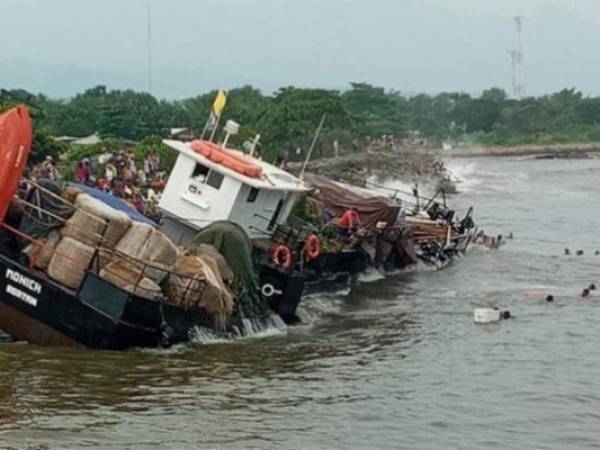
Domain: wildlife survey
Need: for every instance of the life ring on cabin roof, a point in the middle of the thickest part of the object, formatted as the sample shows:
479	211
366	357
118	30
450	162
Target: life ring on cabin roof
16	135
233	160
282	257
312	247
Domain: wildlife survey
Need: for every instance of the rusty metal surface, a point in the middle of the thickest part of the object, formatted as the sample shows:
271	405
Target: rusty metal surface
24	328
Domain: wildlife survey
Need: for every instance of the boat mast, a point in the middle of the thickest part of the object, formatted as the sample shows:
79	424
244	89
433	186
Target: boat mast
312	146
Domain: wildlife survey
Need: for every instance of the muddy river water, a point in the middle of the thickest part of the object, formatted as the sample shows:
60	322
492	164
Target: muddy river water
396	363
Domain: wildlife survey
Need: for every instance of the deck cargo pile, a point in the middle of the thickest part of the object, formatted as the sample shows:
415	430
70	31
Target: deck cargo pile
134	256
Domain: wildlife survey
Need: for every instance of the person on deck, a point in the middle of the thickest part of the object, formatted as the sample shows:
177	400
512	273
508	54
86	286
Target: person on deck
82	173
50	170
348	223
110	172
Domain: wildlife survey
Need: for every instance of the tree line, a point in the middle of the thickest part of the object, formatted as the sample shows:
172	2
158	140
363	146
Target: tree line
287	119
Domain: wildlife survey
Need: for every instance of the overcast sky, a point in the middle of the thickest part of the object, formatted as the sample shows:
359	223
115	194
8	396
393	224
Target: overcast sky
60	47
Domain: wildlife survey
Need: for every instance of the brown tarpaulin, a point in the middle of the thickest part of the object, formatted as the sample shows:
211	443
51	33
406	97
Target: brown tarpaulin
337	199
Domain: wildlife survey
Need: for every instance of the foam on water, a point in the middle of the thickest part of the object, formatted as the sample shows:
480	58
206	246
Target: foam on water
313	307
370	275
252	329
464	173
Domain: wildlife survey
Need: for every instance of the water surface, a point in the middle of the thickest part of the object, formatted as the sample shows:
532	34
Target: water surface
396	363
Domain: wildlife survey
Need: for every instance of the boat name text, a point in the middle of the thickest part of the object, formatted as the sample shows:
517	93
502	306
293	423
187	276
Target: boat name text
19	278
31	285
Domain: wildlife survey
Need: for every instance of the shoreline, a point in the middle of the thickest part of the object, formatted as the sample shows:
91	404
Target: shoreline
573	149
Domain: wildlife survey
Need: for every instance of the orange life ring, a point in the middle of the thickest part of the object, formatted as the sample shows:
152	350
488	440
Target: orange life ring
231	159
312	247
282	256
15	143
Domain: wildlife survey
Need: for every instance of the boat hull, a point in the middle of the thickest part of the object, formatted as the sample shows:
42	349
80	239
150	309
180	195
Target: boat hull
99	315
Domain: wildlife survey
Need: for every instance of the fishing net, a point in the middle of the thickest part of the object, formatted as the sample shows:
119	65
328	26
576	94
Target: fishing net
233	243
36	222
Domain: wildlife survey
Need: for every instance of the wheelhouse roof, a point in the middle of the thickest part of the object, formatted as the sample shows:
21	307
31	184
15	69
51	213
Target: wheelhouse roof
272	178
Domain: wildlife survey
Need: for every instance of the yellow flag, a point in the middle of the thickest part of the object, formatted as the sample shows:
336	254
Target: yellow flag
219	103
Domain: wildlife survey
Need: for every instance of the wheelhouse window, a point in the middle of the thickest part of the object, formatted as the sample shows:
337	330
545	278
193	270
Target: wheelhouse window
200	172
215	179
252	195
203	174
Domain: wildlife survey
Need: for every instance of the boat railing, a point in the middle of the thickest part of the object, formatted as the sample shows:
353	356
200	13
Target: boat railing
102	253
143	269
41	211
96	265
42	245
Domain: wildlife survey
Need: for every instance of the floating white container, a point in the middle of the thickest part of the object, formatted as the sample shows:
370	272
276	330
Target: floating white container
486	315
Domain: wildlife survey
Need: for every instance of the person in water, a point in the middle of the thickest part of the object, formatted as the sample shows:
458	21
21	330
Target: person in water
348	223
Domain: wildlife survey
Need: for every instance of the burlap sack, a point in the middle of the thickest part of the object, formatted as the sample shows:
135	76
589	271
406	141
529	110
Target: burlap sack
197	283
84	228
68	264
127	276
161	252
41	254
210	250
117	222
70	194
146	244
134	239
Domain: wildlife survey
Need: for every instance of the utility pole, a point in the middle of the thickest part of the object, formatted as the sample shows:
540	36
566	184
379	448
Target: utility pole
520	86
516	57
149	37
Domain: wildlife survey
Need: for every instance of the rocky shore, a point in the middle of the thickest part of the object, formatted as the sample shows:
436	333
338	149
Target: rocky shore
408	165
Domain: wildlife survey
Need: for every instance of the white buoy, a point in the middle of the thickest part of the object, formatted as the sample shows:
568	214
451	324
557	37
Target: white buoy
486	315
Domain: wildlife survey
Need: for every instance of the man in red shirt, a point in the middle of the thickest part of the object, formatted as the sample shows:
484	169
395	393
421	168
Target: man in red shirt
348	223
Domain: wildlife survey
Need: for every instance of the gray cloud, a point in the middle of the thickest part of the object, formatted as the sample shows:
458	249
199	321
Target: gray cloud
62	46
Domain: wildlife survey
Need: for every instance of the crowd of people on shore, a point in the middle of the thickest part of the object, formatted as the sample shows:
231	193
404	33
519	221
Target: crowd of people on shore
119	174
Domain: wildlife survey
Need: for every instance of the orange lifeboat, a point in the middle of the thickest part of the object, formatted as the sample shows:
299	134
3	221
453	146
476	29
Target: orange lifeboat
16	135
228	158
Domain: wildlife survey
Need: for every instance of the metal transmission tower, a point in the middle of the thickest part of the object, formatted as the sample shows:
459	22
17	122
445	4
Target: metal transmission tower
516	57
149	36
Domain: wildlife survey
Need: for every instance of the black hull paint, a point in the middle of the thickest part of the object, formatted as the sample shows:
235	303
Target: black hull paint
99	315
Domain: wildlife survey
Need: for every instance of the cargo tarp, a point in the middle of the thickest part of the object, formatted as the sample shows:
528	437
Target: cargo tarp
114	202
334	198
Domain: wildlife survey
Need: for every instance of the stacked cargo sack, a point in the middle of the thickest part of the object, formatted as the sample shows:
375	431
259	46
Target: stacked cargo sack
210	250
143	258
197	283
127	276
41	254
69	263
107	225
92	225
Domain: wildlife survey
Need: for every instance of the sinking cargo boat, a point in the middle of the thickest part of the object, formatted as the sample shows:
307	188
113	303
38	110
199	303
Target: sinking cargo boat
391	237
210	183
105	281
